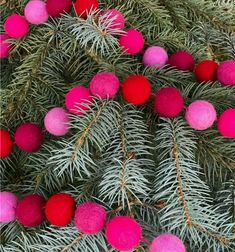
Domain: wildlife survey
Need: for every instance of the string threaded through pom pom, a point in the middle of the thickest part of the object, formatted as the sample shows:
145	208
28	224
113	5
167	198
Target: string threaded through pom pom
6	144
182	60
206	71
226	123
83	7
226	73
56	8
8	204
155	56
5	47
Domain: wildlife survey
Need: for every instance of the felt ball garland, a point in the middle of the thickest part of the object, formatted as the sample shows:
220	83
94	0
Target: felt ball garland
182	60
226	123
6	143
8	204
155	56
84	7
5	47
226	73
113	18
56	8
206	71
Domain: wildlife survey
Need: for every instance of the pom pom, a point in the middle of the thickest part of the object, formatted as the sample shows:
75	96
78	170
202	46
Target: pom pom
155	56
167	243
56	122
35	12
6	144
56	8
123	233
206	71
226	73
114	17
16	26
226	123
200	115
104	85
182	60
136	89
5	47
90	218
8	203
29	137
132	42
30	211
83	7
169	102
77	100
60	209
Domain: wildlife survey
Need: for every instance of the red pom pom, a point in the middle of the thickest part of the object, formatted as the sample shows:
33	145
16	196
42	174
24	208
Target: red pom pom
6	143
60	209
30	211
182	60
55	8
136	89
83	7
206	71
169	102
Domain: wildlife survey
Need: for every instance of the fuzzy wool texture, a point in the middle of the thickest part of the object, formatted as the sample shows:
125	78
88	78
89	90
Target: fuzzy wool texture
118	20
123	233
200	115
155	56
8	203
5	47
226	123
83	7
90	218
226	73
56	8
169	102
6	143
206	71
182	60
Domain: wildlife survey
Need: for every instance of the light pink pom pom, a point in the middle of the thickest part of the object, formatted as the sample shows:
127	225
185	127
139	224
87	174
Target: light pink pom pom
8	203
155	56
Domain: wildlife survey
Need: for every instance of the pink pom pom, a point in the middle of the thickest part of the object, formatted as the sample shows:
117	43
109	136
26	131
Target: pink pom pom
114	17
8	203
200	115
155	56
226	73
56	122
5	47
104	85
226	123
132	42
16	26
123	233
90	218
78	99
167	243
182	60
35	12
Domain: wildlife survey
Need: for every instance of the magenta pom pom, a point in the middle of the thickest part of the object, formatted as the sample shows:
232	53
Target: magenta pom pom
8	203
226	73
5	47
35	12
90	218
226	123
155	56
16	26
104	85
114	17
182	60
200	115
167	243
132	42
123	233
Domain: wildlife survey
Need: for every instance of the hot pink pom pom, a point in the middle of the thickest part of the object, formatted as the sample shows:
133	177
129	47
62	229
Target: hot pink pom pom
90	218
182	60
115	17
5	47
155	56
200	115
35	12
132	42
78	100
104	85
123	233
226	73
226	123
16	26
167	243
8	203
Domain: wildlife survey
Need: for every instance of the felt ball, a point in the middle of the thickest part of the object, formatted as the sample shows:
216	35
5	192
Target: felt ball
226	123
200	115
8	203
132	42
136	89
226	73
104	85
56	8
78	99
5	47
182	60
115	17
123	233
30	211
84	7
90	218
167	243
56	122
6	144
29	137
206	70
155	56
60	209
36	12
169	102
16	26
